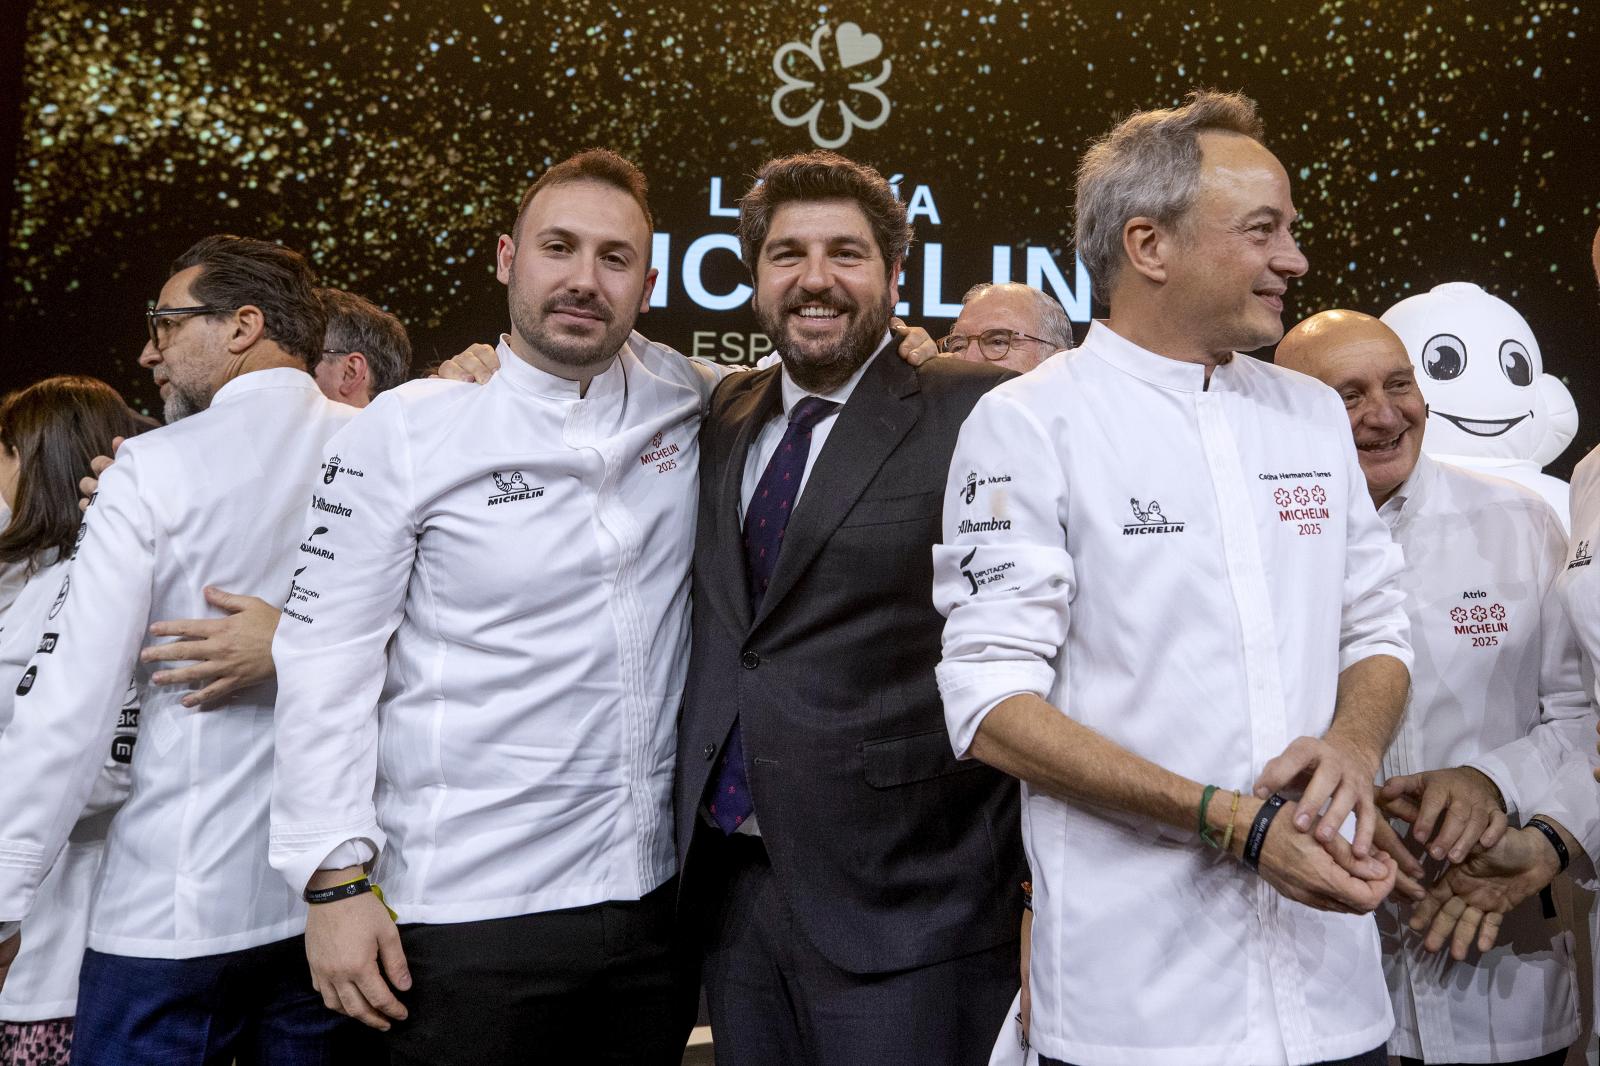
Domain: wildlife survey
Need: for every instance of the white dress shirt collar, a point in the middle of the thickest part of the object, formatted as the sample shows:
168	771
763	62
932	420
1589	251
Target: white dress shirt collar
793	393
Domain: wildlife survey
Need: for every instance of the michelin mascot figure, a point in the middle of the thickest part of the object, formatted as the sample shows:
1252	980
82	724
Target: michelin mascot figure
1491	406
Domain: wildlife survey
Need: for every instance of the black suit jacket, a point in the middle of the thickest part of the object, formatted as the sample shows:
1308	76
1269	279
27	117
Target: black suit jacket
891	852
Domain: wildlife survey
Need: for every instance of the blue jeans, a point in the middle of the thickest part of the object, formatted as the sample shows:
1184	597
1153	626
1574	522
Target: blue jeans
251	1006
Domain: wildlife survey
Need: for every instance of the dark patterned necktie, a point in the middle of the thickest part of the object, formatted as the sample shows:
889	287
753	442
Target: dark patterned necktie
765	518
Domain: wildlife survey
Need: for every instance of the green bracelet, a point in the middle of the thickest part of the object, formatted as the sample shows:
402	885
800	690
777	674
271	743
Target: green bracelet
1206	833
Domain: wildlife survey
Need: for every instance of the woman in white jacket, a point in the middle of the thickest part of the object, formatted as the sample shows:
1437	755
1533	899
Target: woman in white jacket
48	433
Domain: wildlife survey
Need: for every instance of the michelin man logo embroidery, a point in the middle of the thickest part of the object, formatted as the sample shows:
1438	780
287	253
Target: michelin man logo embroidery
513	486
801	67
511	482
1148	514
1150	519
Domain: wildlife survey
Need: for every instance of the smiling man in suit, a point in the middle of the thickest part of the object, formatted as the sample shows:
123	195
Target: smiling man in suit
859	887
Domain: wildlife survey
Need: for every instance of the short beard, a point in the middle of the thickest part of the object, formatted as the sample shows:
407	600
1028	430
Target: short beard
563	351
821	370
180	405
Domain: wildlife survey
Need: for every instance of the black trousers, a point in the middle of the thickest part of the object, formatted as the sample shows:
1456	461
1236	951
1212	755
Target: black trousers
1376	1057
775	1000
608	983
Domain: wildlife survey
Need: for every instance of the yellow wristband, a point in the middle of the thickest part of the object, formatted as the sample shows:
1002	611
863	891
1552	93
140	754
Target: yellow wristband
376	891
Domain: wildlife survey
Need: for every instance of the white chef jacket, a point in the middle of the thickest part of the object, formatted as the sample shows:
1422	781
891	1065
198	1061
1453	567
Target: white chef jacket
491	629
217	498
1571	798
43	982
1186	569
1496	686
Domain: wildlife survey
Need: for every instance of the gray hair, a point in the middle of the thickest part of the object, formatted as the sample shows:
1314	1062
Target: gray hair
1149	166
1053	320
356	324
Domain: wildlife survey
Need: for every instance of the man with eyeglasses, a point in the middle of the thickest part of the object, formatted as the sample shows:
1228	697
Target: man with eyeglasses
194	947
1014	325
364	352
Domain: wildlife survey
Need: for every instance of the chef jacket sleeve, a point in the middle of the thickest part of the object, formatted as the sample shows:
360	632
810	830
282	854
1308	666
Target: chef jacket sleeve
1373	621
115	780
1002	577
345	601
1524	767
71	694
1572	798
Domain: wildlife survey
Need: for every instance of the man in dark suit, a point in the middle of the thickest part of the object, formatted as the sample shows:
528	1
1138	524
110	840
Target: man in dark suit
859	886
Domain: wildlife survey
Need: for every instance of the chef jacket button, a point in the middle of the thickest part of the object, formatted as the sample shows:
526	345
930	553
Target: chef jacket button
750	660
709	750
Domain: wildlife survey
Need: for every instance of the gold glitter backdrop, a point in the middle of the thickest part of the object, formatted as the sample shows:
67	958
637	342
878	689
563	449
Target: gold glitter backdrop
390	141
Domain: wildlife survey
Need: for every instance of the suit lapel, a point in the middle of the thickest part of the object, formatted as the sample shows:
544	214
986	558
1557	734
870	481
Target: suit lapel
880	412
729	588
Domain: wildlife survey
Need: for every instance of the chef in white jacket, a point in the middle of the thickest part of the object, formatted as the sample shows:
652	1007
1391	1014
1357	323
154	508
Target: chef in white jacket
48	431
1497	701
480	665
194	950
1162	572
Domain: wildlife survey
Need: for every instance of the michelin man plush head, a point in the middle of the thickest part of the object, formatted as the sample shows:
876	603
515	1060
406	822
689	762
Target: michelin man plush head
1481	372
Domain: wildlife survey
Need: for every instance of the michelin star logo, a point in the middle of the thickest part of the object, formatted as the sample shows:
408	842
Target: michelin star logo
800	67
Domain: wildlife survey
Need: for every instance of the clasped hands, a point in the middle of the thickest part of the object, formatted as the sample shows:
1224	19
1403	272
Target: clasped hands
1304	856
1457	815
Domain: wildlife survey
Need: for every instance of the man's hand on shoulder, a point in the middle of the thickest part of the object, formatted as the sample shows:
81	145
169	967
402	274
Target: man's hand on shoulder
1473	810
228	654
477	364
346	942
88	486
916	345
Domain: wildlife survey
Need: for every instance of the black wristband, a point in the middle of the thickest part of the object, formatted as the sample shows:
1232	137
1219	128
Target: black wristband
1258	830
1554	838
338	892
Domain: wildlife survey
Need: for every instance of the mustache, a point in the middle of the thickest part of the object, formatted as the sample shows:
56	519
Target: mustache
828	300
589	305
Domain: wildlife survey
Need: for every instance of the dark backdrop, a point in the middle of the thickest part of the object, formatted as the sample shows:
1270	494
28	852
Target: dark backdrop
391	140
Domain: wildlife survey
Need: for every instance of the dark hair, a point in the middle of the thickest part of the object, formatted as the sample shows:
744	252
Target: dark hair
356	324
55	427
823	176
592	164
236	271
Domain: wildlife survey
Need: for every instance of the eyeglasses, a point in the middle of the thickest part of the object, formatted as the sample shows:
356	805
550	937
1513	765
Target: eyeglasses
993	343
155	319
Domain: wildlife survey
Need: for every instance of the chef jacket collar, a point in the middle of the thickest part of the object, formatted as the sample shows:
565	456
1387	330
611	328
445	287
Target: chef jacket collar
277	377
1409	497
1159	370
793	393
526	377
